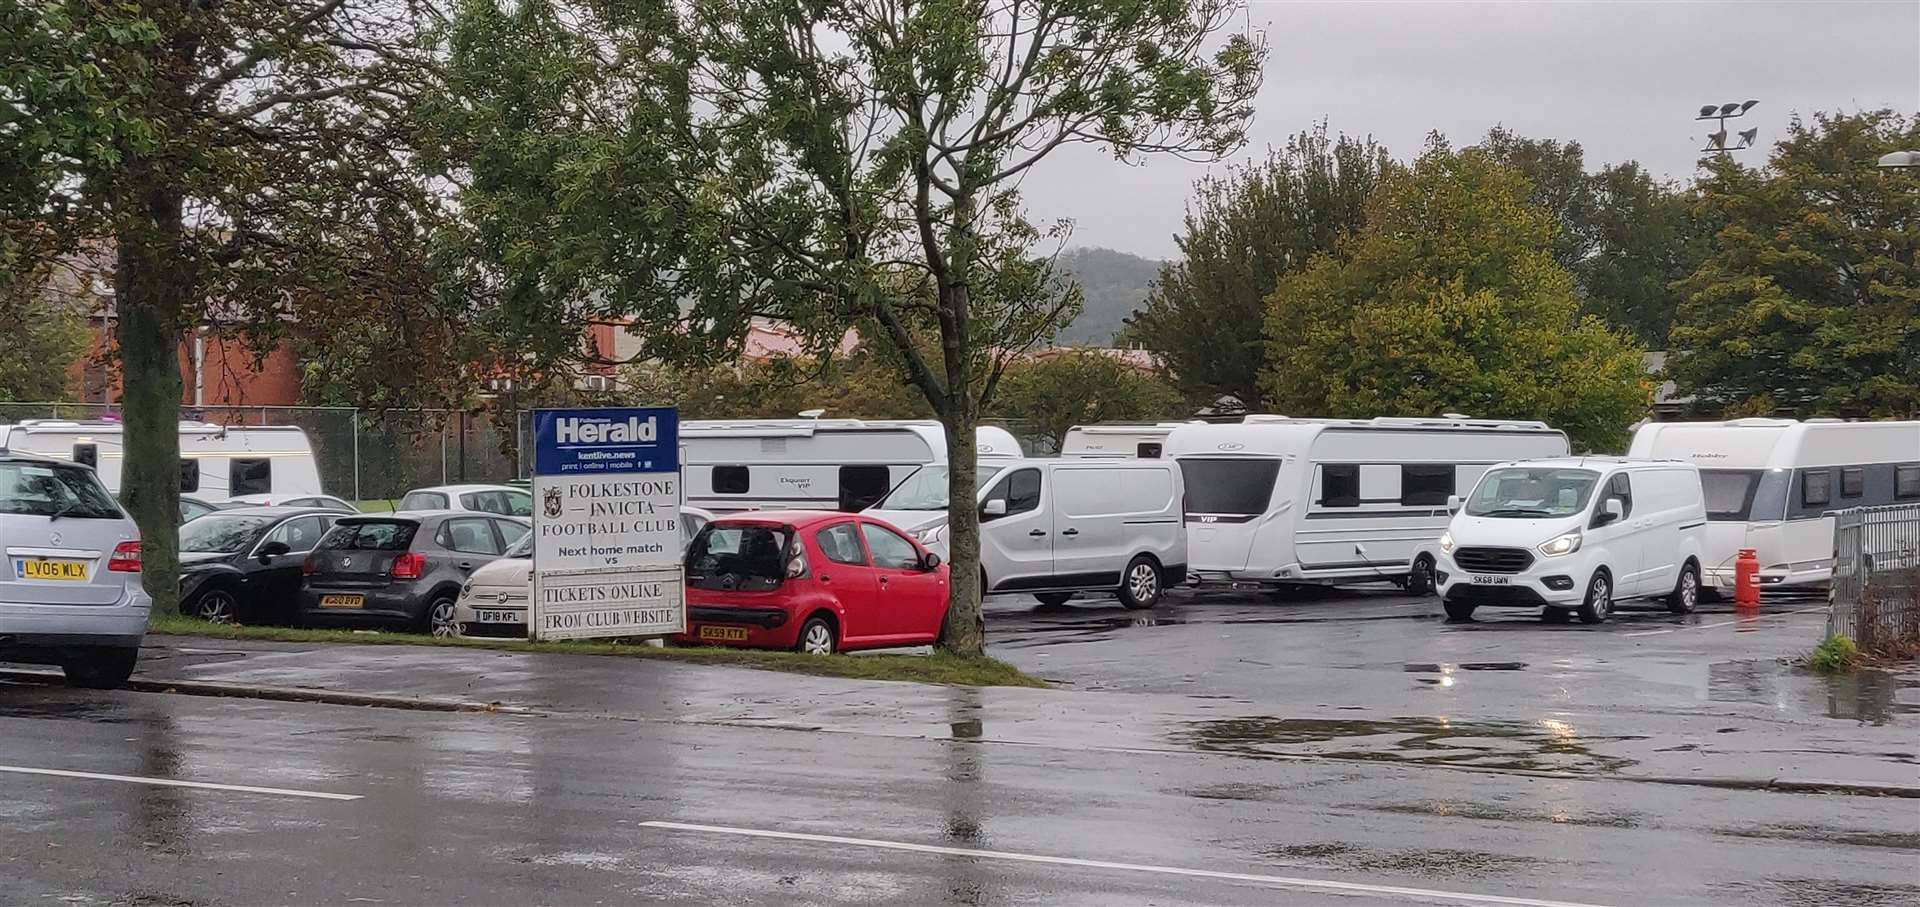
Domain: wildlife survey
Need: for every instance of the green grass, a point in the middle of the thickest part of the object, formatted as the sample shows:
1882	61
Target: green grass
377	505
939	667
1834	655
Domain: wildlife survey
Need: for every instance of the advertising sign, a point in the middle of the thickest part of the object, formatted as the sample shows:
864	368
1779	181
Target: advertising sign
606	523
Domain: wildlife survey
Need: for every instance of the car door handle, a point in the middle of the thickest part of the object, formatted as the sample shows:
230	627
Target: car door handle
883	581
466	565
1036	533
1071	532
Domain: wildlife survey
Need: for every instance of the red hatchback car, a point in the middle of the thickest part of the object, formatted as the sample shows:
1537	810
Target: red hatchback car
814	581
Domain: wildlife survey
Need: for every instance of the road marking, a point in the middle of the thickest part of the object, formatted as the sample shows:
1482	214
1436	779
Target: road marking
1728	623
172	782
1277	881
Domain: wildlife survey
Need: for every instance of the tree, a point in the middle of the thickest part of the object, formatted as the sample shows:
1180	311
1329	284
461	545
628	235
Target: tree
1082	385
1244	231
246	158
829	164
864	385
1448	300
45	337
1808	300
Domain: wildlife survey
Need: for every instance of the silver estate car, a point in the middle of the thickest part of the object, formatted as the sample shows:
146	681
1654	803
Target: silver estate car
70	592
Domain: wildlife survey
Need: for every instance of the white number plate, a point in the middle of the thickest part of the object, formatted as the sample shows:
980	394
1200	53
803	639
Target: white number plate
1482	580
488	616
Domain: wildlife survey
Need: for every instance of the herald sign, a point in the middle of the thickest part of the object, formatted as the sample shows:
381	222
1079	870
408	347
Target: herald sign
607	546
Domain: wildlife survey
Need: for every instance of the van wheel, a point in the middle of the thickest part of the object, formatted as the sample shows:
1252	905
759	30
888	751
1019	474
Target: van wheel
1420	578
1053	599
100	669
816	637
1459	612
1599	603
215	606
1140	585
1686	593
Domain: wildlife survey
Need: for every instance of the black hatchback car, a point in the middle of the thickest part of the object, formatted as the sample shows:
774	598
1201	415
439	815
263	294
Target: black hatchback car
244	564
402	568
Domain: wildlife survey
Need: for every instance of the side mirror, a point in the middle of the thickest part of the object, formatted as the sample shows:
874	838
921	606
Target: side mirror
1611	511
994	508
929	562
271	550
1453	503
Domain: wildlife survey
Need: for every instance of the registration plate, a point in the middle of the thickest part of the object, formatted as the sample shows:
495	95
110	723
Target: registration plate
724	634
65	571
486	616
1482	580
342	601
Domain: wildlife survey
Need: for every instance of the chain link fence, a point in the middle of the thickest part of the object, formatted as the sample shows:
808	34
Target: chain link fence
1875	595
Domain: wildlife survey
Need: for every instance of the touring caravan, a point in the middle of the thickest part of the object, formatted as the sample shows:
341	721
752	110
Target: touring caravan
217	462
1772	483
1277	500
813	464
1144	440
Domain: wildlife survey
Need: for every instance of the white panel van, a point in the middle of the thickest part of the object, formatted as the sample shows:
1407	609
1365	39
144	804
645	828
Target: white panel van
217	462
814	464
1055	528
1575	534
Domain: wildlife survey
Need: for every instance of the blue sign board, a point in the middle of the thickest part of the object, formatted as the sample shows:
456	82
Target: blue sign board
570	442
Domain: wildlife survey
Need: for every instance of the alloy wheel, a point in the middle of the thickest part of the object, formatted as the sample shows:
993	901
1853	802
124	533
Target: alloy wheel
442	621
215	607
1143	582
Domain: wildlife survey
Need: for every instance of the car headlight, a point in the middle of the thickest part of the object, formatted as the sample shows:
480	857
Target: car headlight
1559	545
1446	541
931	534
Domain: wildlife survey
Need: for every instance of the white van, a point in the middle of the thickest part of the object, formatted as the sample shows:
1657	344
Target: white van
1575	534
1771	483
1277	501
1054	528
813	464
1145	440
217	462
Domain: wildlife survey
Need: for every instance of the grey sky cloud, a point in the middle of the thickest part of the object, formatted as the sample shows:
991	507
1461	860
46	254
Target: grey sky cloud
1622	78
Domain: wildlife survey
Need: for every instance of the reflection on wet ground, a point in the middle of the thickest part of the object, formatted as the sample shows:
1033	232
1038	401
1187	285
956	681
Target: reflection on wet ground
1421	863
1467	809
1545	745
1828	835
1829	892
1867	696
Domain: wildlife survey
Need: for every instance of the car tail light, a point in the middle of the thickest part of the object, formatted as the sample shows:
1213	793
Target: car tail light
125	559
409	566
307	566
797	565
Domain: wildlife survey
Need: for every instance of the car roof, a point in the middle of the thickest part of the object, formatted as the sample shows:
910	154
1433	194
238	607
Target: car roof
1593	462
795	518
463	489
273	511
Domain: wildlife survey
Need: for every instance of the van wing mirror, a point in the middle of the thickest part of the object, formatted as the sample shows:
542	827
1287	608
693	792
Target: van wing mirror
1453	503
1611	511
995	507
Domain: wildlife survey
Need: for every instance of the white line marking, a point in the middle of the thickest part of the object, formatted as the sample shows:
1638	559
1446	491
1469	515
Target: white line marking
1278	881
1728	623
170	782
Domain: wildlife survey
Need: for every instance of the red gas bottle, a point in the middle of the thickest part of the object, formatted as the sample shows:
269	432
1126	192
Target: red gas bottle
1746	579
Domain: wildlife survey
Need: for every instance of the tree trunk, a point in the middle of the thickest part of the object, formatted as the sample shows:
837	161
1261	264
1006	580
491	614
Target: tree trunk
966	632
151	289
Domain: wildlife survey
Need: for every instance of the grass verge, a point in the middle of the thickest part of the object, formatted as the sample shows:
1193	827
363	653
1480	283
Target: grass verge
940	667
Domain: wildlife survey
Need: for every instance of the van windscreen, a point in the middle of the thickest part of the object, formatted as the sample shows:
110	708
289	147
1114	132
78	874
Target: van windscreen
1228	486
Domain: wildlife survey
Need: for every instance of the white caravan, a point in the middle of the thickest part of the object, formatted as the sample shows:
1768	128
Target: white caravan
1771	483
217	462
1145	440
1275	500
813	464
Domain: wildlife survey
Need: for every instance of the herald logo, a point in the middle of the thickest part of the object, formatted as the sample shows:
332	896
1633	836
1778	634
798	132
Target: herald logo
578	430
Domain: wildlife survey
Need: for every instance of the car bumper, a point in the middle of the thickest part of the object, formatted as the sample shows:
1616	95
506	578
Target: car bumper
1556	582
375	605
26	626
482	615
754	628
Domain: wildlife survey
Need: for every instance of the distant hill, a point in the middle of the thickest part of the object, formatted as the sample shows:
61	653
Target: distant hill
1113	283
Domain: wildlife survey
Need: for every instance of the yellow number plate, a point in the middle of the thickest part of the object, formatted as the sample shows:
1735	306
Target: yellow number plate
69	571
724	634
341	601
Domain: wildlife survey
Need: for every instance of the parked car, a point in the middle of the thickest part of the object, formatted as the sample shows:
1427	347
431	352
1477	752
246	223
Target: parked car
501	499
316	501
70	592
244	564
815	581
402	568
1575	534
494	600
194	508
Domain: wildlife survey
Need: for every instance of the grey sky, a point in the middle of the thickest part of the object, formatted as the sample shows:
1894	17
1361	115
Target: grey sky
1622	78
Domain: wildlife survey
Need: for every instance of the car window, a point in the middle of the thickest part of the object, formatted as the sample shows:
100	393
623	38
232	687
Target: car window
841	544
510	532
372	535
471	536
519	503
1020	489
736	557
423	500
890	550
300	534
54	490
482	501
191	509
223	533
522	548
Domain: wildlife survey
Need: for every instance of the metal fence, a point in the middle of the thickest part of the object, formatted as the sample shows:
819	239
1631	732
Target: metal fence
1875	594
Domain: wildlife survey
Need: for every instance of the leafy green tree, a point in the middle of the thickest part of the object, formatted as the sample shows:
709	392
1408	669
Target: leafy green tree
826	164
1244	231
863	385
1448	300
1808	300
1082	385
45	337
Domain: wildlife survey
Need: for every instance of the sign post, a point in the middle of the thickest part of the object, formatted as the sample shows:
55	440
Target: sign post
606	524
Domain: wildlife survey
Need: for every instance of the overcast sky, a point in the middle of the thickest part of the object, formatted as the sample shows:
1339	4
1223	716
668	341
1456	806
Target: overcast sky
1623	78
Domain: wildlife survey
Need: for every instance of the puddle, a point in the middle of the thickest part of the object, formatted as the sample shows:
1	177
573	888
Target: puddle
1826	892
1423	863
1466	809
1421	668
1546	745
1822	834
1867	696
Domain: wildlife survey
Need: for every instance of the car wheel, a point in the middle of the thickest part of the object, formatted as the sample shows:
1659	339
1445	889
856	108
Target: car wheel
1554	615
1686	593
215	606
1459	612
1140	585
816	637
1599	603
100	669
1420	578
1054	599
439	618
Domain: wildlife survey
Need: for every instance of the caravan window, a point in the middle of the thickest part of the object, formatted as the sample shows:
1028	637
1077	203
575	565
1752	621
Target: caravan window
1853	481
1229	487
1148	451
189	476
1816	487
1906	482
249	477
860	486
1425	485
731	480
1729	493
86	454
1340	485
